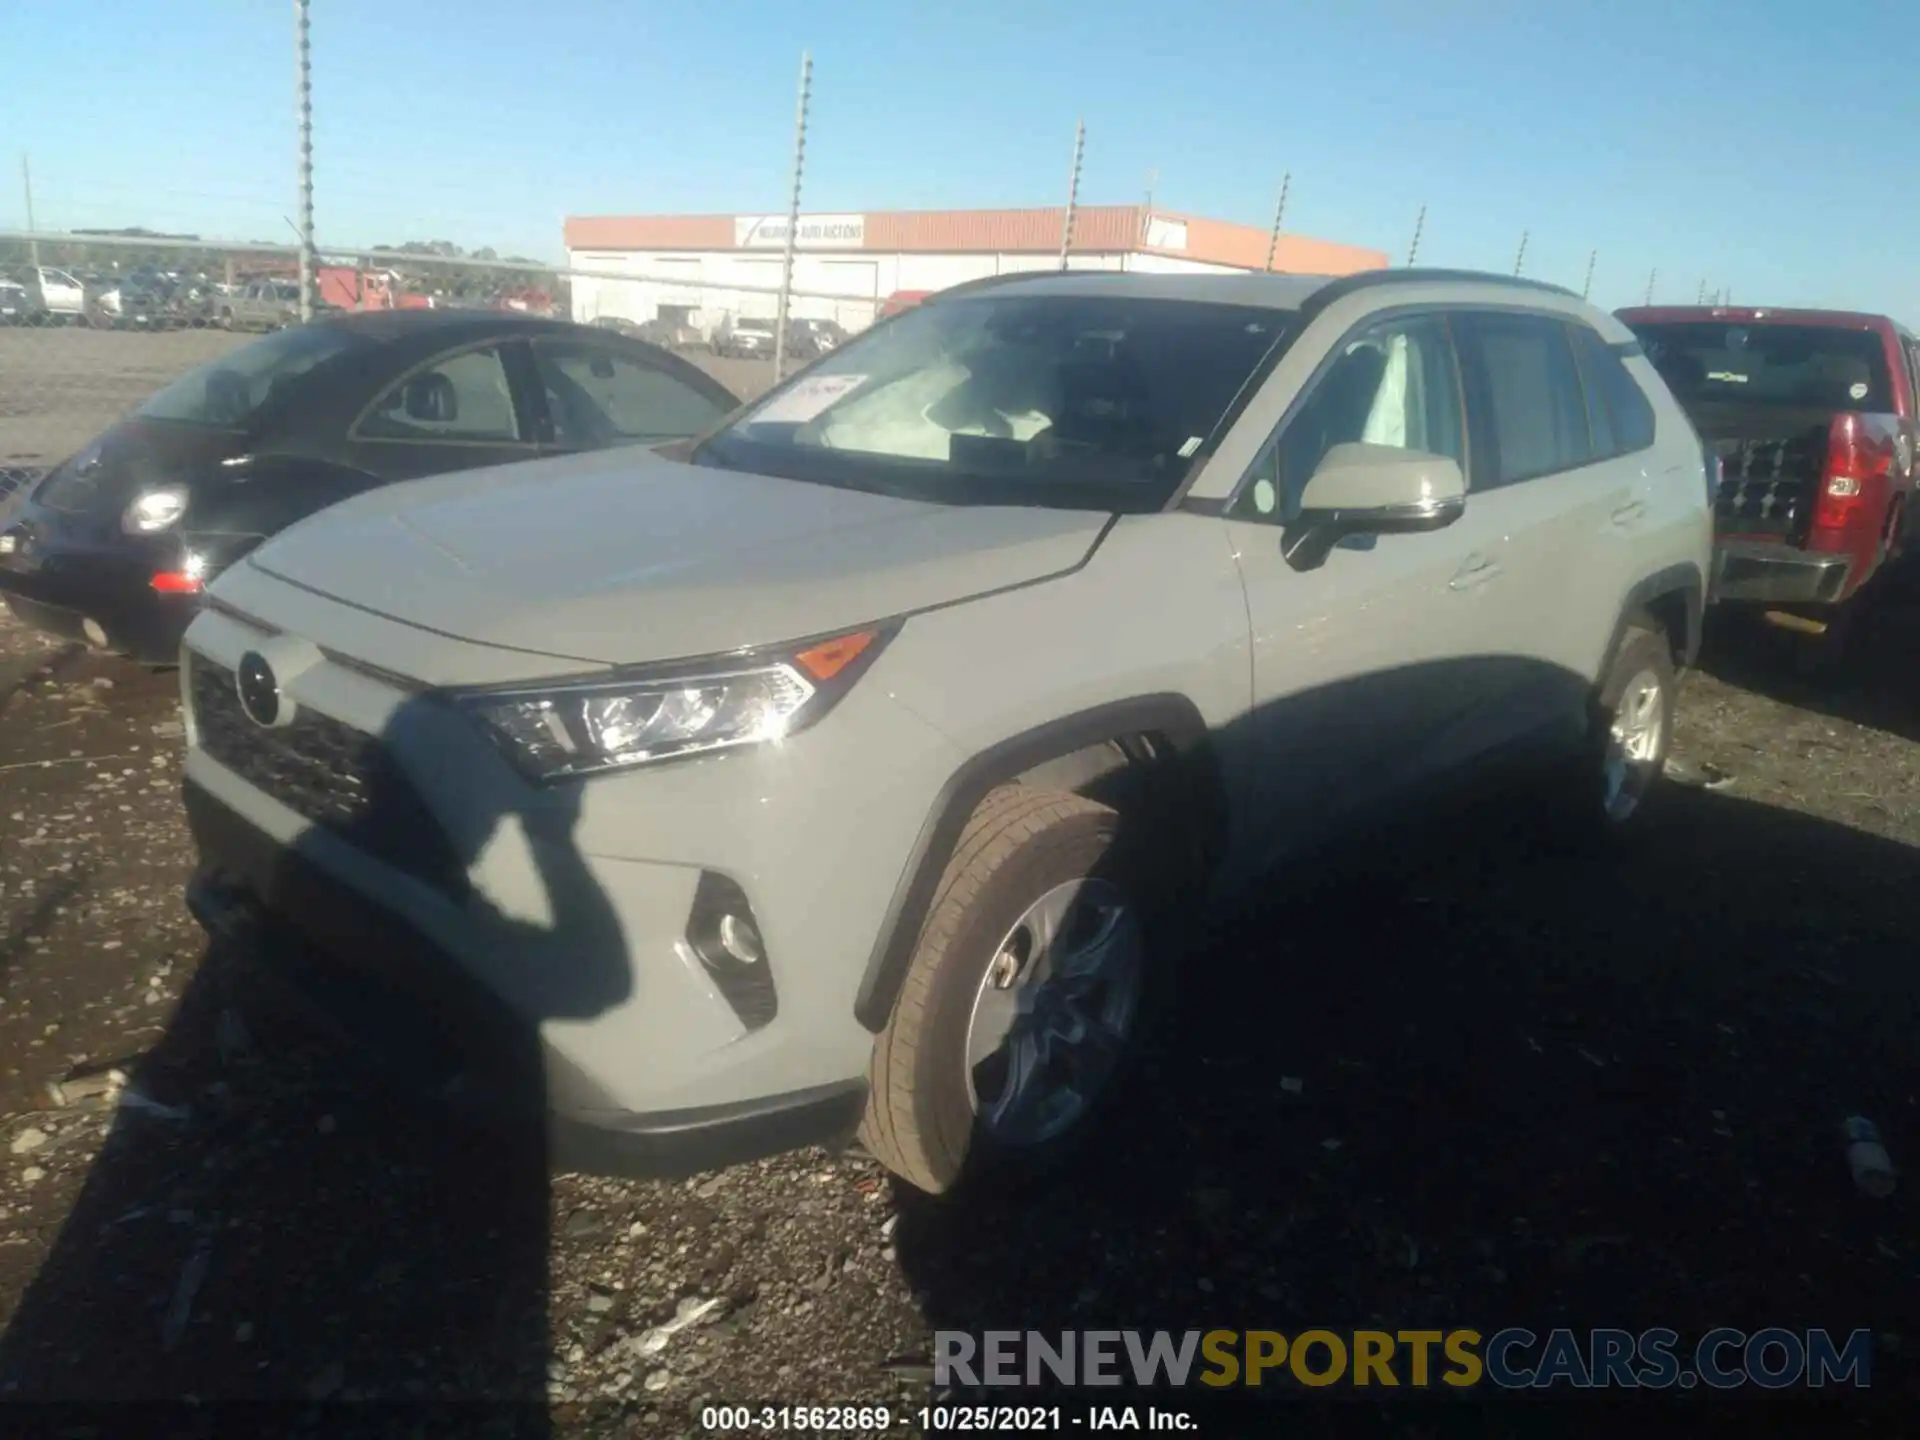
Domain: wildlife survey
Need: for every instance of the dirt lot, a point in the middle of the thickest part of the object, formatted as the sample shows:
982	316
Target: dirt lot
1484	1085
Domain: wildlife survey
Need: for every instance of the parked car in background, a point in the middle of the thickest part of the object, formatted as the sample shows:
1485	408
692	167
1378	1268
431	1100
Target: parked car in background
744	337
153	300
63	296
48	295
807	339
16	302
116	545
619	324
259	305
865	779
674	334
1814	416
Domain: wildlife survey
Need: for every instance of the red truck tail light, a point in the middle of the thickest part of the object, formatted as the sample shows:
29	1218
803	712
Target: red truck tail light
1856	457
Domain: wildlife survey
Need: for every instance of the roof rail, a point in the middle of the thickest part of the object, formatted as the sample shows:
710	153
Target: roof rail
1369	279
987	282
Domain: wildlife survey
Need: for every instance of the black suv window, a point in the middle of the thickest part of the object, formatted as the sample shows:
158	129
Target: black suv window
1622	418
1530	412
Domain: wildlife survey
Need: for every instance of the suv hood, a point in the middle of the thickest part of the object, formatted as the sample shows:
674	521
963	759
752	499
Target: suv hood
623	557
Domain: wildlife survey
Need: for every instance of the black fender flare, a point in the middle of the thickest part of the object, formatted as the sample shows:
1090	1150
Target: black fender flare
1171	716
1683	580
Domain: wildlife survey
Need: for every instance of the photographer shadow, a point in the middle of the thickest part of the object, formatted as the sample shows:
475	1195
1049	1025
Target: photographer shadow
347	1195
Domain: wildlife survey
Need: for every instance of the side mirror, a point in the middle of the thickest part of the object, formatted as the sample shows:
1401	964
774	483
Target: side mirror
1372	490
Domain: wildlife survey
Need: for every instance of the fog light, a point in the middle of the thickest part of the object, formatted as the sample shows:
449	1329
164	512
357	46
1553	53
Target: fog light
723	933
740	940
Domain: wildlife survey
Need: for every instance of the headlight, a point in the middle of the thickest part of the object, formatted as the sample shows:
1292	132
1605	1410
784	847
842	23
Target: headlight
154	510
575	729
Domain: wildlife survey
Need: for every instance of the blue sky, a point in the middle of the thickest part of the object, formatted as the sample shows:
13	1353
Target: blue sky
1758	144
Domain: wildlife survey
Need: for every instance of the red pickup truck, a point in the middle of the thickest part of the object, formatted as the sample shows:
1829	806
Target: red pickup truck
1815	417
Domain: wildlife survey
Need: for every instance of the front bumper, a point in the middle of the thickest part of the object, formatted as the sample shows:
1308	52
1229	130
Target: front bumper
1754	571
58	588
380	984
568	911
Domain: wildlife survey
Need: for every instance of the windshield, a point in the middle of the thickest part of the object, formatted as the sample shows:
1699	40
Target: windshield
1077	402
1779	366
232	390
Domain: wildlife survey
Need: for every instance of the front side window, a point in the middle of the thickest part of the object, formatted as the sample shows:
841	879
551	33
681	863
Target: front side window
232	390
464	398
1814	367
1070	401
1393	385
598	398
1533	406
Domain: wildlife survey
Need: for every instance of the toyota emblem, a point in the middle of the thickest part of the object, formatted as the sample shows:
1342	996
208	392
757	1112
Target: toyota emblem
259	690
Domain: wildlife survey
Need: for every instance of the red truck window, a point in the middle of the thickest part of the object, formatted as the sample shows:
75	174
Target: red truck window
1781	366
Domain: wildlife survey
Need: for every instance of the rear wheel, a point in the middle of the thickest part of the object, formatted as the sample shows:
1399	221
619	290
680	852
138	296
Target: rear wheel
1024	1002
1629	735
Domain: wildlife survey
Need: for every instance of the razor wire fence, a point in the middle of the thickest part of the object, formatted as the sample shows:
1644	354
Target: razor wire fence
90	324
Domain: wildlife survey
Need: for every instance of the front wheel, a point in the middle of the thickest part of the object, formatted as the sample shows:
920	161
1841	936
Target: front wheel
1025	999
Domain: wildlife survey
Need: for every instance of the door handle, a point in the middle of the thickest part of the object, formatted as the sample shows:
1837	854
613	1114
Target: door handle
1631	513
1477	571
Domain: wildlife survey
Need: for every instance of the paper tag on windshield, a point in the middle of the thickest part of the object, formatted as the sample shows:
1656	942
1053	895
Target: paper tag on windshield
805	400
1858	390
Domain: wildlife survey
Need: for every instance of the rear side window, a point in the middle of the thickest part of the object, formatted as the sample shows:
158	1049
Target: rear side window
597	398
1622	418
1531	416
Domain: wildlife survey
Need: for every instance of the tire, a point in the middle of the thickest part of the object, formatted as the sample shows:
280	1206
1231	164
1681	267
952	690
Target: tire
1601	796
924	1120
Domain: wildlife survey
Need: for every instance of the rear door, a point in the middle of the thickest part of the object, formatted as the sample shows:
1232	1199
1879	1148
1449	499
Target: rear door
460	410
593	394
1566	509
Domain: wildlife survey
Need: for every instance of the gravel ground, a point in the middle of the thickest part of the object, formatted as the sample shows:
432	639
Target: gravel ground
1494	1088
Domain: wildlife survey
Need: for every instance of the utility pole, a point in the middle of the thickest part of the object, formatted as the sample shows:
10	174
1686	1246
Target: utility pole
1279	213
1419	224
1073	190
303	85
1520	258
793	217
1652	275
1703	291
26	181
1153	179
1586	287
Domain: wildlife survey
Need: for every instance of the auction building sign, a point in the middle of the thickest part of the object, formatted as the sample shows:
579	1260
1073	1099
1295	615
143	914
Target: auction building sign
817	232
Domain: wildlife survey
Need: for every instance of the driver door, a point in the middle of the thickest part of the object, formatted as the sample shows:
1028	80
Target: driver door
1359	663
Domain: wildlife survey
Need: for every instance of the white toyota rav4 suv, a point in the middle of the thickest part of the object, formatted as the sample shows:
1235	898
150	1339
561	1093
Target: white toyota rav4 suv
838	772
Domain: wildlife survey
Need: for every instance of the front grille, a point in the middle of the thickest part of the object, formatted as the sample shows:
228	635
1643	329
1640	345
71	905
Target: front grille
330	773
1767	485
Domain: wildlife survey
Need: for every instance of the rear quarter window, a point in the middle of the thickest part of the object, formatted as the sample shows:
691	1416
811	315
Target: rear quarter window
1612	392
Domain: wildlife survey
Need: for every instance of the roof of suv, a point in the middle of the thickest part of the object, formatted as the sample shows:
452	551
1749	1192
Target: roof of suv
1274	292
